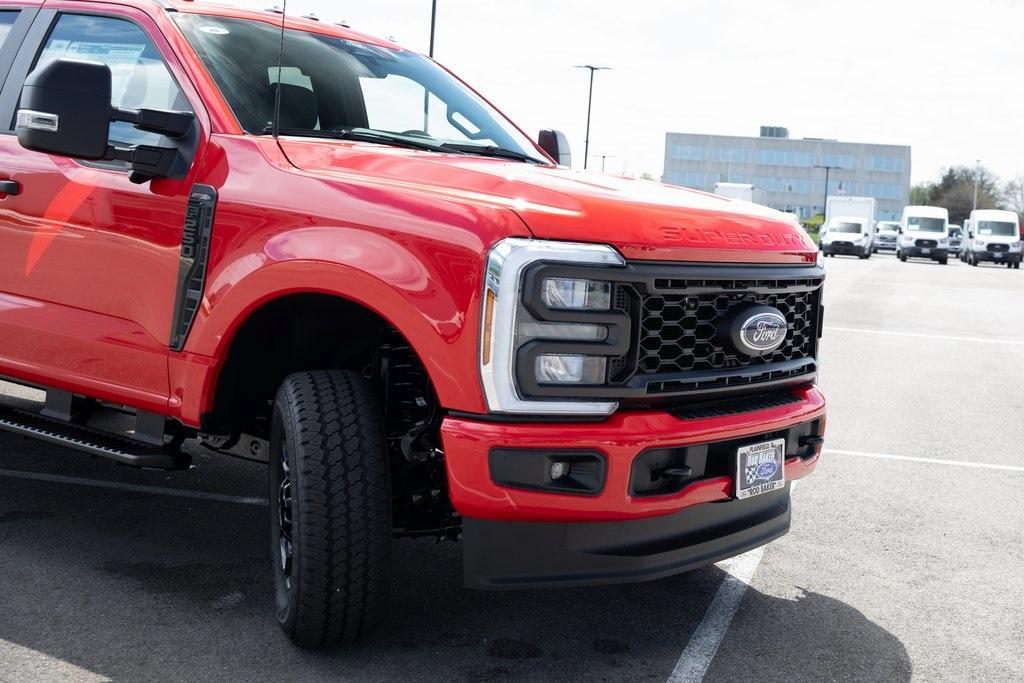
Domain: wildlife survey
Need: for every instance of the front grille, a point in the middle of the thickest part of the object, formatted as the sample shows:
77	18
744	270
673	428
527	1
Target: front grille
926	244
842	244
735	406
999	247
680	332
682	347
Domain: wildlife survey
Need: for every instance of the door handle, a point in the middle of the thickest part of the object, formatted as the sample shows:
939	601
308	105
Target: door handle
11	187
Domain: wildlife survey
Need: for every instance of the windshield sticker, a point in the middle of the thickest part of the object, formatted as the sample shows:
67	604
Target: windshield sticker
215	30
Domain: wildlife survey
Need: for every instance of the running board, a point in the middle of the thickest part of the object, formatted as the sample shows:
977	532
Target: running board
95	442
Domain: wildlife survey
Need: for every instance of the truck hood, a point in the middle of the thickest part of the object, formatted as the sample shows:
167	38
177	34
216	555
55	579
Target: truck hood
643	219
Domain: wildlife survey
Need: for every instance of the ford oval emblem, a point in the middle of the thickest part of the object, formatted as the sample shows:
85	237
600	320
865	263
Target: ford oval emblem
766	470
759	330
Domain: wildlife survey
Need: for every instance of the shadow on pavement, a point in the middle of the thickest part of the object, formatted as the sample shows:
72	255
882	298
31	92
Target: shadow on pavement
811	637
135	586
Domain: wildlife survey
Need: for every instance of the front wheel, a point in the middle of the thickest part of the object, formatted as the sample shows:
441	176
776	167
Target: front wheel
902	257
330	508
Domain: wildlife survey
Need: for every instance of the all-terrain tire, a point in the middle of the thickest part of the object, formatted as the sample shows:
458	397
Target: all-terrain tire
331	505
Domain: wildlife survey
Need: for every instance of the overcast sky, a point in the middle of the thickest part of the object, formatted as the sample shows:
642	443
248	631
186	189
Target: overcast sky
943	77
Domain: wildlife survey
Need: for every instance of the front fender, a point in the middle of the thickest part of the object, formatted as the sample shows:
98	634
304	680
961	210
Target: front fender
428	290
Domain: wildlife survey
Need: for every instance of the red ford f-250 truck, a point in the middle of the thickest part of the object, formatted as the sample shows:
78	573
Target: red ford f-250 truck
352	267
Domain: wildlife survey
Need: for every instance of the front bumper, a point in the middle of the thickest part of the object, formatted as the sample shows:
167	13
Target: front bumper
845	249
998	256
517	538
935	253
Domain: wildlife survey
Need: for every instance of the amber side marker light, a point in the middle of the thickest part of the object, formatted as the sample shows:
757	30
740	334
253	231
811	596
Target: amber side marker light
488	325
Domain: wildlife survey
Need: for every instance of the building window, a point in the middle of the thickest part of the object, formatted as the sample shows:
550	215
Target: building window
890	164
688	152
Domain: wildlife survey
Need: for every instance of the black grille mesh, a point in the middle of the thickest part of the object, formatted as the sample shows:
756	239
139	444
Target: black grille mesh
679	332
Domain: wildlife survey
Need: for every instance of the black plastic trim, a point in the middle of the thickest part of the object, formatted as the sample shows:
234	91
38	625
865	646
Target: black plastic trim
195	255
528	469
499	555
654	278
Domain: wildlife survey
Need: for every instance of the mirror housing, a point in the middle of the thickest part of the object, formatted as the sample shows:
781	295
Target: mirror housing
65	110
556	144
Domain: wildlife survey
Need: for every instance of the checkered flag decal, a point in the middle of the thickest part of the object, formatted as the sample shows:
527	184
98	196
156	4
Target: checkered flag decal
749	473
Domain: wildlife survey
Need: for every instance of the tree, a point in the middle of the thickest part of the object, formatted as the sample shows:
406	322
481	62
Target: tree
1013	193
922	193
955	192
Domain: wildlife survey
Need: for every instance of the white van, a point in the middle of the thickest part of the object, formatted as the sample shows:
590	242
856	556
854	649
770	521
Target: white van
924	233
851	235
995	237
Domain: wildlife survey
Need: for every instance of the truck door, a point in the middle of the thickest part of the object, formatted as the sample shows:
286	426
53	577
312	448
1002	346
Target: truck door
89	260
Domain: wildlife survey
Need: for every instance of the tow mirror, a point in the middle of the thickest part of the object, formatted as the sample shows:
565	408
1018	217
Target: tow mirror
556	145
65	110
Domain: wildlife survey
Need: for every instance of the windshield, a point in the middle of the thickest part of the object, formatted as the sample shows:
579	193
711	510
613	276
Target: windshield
997	228
844	226
331	84
888	227
955	232
925	224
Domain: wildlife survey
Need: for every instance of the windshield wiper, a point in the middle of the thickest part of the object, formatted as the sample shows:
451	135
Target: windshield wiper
491	151
365	135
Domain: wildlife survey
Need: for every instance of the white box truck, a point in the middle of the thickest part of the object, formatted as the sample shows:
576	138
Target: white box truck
742	191
849	226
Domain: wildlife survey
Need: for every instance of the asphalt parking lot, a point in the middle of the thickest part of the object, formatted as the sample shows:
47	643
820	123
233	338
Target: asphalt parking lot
905	558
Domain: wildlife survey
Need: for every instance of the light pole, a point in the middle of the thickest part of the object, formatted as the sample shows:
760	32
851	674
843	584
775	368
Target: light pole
590	102
828	169
603	157
433	25
977	175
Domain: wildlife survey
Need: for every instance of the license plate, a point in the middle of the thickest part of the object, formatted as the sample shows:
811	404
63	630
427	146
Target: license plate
926	251
760	468
996	254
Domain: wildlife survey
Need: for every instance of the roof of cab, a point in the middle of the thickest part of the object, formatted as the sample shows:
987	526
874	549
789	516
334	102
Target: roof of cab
291	22
926	211
994	215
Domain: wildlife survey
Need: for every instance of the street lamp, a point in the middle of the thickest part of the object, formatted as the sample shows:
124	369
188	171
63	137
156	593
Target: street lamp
977	175
590	102
433	25
604	157
828	169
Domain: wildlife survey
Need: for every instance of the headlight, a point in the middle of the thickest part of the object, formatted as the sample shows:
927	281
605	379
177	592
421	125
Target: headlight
565	293
548	329
1014	245
906	240
943	241
979	244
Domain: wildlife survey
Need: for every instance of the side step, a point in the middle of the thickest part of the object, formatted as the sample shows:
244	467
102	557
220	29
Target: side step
121	449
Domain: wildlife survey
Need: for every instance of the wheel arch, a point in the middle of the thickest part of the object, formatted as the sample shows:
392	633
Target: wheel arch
436	326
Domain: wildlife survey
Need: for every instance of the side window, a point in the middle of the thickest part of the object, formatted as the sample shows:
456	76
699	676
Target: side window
7	19
140	78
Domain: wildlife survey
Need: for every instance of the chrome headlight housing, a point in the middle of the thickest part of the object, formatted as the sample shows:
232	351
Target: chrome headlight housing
548	326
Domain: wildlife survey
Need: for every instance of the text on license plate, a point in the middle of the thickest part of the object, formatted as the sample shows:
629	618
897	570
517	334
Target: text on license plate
760	468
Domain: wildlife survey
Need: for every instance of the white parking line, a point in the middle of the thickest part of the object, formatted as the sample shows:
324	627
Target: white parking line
700	651
930	461
158	490
22	663
918	335
693	664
